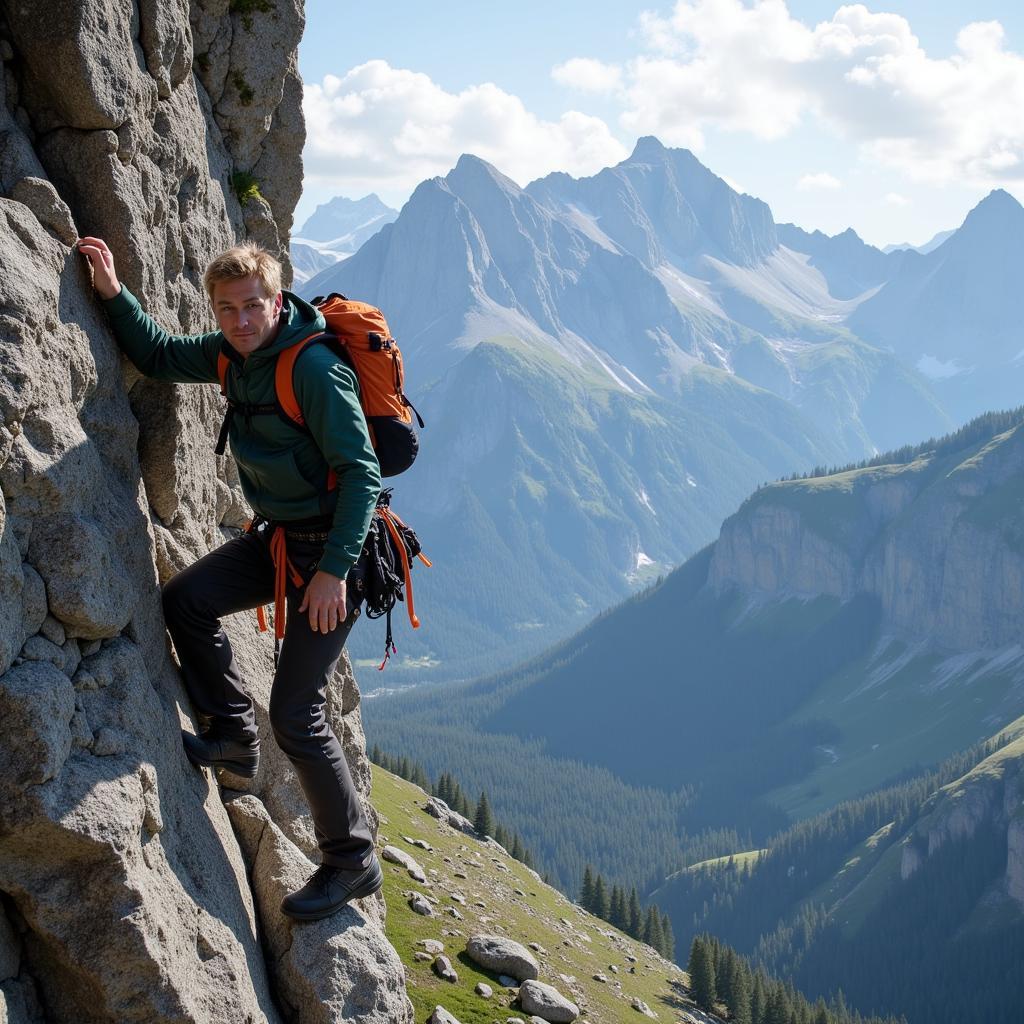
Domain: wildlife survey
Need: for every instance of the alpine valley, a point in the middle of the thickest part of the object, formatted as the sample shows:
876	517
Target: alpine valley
807	740
608	366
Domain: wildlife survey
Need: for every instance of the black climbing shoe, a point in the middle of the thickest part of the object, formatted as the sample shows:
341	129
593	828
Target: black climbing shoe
330	888
208	750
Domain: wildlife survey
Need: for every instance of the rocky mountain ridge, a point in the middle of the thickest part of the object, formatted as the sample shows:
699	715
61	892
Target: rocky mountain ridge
955	312
935	541
128	890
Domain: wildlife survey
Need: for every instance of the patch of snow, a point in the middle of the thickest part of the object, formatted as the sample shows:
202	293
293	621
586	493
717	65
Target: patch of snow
688	290
642	560
785	280
974	666
936	369
646	502
690	481
884	669
586	222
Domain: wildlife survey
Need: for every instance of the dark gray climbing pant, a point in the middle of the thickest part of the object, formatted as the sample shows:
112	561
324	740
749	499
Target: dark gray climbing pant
236	576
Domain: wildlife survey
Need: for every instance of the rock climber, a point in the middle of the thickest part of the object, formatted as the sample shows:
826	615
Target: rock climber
318	529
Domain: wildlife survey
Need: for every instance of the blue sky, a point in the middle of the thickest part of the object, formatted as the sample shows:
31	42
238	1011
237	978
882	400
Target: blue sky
893	118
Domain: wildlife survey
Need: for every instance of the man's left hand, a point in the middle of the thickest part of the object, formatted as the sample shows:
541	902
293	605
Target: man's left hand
324	598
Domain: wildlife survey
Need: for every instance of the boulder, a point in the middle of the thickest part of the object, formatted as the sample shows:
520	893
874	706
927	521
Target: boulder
437	808
397	856
442	1016
546	1001
443	968
421	905
503	956
641	1007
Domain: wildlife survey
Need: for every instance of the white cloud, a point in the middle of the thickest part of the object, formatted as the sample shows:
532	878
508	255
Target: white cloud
822	180
752	67
379	128
588	75
895	199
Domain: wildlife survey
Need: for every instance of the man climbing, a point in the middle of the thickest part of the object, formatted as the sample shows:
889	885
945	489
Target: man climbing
308	532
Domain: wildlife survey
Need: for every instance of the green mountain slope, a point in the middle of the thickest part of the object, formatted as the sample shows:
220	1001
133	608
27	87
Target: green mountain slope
912	898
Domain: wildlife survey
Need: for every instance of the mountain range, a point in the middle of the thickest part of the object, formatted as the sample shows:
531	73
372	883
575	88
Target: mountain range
608	364
334	231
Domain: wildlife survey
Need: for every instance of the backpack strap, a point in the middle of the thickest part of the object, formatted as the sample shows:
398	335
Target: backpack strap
222	372
284	386
284	379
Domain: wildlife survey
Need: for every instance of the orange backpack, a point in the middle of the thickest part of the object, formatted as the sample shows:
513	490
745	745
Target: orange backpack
358	333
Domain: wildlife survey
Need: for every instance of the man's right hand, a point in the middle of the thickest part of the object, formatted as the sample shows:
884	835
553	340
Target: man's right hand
101	259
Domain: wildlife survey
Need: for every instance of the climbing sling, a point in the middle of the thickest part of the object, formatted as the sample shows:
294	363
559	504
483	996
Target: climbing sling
382	576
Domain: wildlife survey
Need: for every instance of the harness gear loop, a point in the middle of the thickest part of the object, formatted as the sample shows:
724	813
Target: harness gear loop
389	517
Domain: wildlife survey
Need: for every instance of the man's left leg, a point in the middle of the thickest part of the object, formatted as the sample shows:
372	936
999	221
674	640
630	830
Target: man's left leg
349	868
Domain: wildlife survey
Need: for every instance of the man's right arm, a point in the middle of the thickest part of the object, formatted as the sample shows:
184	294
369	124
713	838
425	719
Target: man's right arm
182	358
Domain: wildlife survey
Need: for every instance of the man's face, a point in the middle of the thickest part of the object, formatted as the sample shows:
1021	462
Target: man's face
245	314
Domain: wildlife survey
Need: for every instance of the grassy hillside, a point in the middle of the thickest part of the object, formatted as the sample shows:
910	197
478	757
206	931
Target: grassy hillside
498	895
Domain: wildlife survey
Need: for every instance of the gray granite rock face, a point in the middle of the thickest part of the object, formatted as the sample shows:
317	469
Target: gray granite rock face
340	968
110	124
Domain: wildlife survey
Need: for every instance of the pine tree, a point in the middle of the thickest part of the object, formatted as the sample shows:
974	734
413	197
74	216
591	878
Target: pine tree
483	820
375	754
701	968
587	889
501	836
758	1000
652	929
600	908
441	789
617	908
668	937
634	920
739	1008
725	967
778	1009
518	849
462	802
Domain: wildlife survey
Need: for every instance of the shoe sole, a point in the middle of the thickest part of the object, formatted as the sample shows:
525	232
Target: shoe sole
243	771
372	886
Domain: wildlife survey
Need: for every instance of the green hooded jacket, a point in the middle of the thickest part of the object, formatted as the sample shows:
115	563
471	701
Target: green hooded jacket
283	470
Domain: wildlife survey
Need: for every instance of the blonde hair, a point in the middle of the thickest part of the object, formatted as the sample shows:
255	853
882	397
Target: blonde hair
245	260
